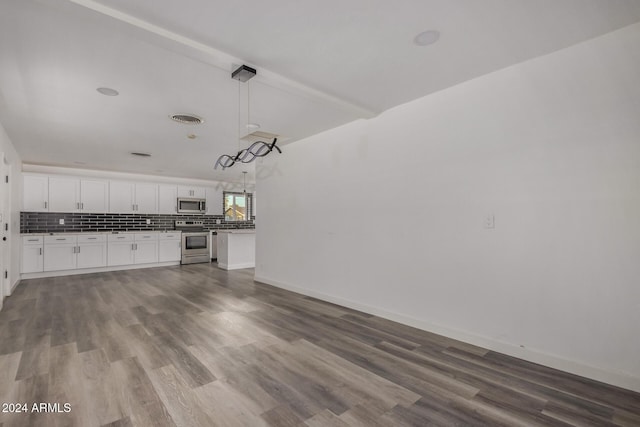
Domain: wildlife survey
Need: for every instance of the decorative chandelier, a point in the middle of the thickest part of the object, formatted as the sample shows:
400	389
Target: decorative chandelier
257	149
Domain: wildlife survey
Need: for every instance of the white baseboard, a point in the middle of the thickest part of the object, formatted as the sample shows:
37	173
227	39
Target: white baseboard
94	270
236	266
619	379
15	284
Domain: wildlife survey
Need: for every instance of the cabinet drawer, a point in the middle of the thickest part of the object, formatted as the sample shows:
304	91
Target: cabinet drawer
92	238
32	240
146	236
60	239
120	238
170	236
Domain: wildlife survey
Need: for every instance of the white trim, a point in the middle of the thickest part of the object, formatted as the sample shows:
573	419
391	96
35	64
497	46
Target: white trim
14	286
237	266
95	270
619	379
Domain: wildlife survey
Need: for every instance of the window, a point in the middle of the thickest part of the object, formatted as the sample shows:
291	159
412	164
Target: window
237	206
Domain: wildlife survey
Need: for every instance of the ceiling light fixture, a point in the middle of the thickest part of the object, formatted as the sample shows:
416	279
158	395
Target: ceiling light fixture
244	182
243	74
108	91
426	38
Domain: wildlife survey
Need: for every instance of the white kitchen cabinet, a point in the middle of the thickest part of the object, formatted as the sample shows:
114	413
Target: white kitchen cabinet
91	251
120	249
32	254
146	198
192	192
169	248
94	195
64	194
121	197
167	199
129	197
59	252
35	197
145	248
214	201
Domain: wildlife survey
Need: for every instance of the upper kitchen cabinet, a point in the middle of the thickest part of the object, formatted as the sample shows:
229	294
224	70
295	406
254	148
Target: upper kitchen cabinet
214	201
121	197
35	193
55	193
128	197
146	196
167	199
192	192
64	194
94	195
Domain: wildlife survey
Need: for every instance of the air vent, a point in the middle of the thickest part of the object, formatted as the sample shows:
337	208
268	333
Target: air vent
189	119
141	154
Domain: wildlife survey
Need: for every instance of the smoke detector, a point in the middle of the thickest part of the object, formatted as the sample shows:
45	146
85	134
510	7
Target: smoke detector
188	119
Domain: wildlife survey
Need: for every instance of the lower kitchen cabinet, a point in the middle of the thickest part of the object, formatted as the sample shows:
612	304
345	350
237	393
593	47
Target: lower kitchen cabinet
92	251
72	252
66	252
169	247
120	249
145	249
32	254
60	252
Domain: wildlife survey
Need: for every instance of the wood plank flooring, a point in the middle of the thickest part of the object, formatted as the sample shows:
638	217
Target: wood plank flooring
199	346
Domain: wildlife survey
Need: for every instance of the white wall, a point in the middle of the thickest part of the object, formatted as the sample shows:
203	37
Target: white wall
387	215
12	246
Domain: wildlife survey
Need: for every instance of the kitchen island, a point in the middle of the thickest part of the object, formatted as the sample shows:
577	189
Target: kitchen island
236	249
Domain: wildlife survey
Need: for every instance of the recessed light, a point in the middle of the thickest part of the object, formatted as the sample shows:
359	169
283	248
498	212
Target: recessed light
135	153
251	127
108	91
192	136
426	38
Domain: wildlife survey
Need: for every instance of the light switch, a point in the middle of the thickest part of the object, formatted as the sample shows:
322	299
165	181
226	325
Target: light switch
61	221
218	221
148	221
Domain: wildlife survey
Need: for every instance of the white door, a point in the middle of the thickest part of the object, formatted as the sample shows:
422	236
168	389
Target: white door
94	195
169	250
32	259
146	198
64	194
59	257
167	199
35	193
120	253
121	198
92	255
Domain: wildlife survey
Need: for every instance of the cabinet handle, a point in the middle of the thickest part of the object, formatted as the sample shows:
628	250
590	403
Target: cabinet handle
62	239
74	250
40	251
92	238
45	205
78	249
82	206
32	240
78	205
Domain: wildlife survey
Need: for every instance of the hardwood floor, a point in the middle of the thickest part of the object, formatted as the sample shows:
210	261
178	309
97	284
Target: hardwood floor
199	346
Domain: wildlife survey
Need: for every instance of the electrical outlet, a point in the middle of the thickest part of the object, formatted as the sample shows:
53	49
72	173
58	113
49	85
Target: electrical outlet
148	221
61	221
490	221
218	221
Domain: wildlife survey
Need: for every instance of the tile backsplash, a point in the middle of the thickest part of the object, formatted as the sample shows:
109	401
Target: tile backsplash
48	222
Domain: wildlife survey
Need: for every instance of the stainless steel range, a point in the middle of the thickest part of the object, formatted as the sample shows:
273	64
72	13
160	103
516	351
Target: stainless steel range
195	242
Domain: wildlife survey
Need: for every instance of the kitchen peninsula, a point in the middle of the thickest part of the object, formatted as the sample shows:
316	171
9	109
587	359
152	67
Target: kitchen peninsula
236	249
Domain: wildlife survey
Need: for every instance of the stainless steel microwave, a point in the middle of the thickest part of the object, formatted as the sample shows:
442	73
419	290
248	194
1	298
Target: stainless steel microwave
192	206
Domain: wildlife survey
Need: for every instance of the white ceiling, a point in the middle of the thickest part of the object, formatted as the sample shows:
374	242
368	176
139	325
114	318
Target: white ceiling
320	65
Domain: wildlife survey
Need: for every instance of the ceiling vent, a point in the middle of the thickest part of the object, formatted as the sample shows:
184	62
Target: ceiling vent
140	154
189	119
